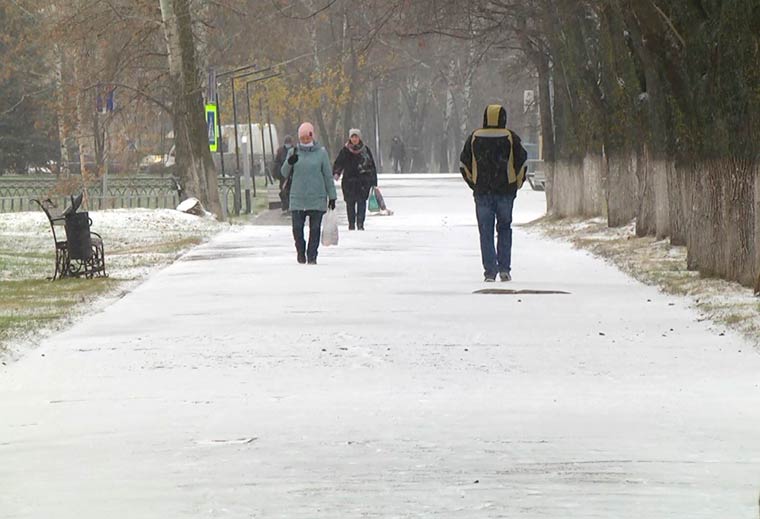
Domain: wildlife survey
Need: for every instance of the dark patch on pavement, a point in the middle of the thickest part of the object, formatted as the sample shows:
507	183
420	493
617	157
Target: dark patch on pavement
511	292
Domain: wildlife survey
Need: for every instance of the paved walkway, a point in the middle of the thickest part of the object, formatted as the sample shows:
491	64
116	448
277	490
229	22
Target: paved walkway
237	383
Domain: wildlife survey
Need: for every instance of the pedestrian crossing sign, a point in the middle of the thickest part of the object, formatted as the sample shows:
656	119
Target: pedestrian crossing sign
211	123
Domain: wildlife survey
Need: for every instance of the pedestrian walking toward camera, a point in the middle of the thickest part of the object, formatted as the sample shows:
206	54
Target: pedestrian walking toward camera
312	191
356	166
398	154
493	163
279	160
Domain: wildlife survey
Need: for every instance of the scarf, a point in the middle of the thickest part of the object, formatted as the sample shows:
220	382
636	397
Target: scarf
357	149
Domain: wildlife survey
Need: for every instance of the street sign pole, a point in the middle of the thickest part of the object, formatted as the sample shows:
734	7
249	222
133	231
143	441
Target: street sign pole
221	137
250	133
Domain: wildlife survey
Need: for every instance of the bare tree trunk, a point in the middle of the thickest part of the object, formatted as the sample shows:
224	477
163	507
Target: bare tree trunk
200	33
348	113
444	163
646	219
739	225
545	108
62	112
190	183
416	98
622	189
662	169
85	112
324	129
466	112
195	166
756	206
679	204
567	188
594	176
447	126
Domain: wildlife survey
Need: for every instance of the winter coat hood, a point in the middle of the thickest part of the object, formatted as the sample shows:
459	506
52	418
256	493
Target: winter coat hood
495	116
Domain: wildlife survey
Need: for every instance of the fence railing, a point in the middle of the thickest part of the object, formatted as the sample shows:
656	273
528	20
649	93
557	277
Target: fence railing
120	193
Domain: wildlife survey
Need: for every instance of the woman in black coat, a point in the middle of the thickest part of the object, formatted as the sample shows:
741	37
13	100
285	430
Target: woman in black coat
357	167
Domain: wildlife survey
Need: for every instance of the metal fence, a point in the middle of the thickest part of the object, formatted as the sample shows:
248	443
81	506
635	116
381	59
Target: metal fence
120	193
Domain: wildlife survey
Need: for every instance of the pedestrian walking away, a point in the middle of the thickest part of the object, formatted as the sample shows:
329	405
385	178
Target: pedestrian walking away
356	166
312	191
398	154
493	163
279	160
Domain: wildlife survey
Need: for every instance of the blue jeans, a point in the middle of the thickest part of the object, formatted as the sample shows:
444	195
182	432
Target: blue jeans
315	231
490	209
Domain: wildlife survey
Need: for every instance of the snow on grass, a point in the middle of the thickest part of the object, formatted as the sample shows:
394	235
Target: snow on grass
137	242
658	263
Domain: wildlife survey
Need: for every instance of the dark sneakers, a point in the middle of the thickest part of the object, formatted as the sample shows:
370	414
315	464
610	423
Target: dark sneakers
313	261
301	258
490	279
505	276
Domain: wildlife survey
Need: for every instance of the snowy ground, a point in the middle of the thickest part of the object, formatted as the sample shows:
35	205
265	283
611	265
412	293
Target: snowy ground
137	242
237	383
657	262
133	237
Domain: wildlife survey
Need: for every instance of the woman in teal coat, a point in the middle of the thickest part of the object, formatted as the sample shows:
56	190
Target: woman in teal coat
312	191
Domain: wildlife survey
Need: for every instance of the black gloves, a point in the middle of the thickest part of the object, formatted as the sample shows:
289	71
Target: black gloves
331	204
293	159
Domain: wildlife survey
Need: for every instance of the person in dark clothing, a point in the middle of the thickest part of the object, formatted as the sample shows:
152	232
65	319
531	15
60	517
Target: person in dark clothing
398	154
357	167
279	160
493	163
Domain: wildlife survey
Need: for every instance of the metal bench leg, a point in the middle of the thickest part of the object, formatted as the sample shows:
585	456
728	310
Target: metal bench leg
62	263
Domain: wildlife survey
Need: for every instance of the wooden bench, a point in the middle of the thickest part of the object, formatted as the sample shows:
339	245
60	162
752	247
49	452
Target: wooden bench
91	265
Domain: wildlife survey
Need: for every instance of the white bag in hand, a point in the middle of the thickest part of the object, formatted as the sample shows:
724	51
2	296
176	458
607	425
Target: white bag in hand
330	228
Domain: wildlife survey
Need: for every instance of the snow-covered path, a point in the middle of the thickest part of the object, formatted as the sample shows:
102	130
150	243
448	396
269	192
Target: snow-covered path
237	383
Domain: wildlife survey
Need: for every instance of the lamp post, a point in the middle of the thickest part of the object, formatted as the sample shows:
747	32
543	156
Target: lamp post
250	134
250	119
232	72
238	73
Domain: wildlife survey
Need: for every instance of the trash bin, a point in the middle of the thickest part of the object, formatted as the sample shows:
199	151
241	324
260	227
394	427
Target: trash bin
78	235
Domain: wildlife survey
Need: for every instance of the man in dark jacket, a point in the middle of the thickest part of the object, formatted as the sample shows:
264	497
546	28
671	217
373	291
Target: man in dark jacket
279	160
493	163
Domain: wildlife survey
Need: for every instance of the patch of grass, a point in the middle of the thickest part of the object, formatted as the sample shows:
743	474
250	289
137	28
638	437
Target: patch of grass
32	305
27	306
165	247
732	319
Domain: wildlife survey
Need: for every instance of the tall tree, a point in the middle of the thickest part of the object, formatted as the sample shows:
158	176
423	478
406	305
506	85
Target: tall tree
195	166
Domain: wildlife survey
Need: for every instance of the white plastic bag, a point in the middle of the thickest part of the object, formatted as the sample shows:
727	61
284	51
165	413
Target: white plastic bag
330	228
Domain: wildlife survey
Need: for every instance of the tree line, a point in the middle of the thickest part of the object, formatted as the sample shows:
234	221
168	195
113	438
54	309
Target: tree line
645	109
339	63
